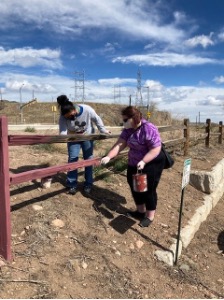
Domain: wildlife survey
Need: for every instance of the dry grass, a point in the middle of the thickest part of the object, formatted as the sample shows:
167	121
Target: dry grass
41	112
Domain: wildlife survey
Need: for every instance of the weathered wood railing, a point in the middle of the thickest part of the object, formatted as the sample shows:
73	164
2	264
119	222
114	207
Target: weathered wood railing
7	179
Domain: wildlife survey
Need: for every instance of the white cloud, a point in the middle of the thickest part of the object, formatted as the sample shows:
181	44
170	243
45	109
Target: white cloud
111	47
150	46
46	88
201	40
128	17
213	100
201	83
107	49
117	81
180	17
221	36
181	101
153	85
167	59
219	80
27	85
29	57
188	101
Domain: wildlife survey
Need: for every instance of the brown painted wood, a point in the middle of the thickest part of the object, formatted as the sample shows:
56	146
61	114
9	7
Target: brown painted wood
175	142
5	221
208	131
50	171
170	128
16	140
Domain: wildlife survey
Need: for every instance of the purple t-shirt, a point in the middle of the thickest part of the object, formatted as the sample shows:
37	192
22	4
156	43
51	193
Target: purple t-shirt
140	141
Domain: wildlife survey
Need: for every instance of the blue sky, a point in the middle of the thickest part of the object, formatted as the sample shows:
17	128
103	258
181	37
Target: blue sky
176	45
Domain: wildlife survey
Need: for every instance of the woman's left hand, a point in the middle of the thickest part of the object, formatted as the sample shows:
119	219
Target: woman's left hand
105	160
140	165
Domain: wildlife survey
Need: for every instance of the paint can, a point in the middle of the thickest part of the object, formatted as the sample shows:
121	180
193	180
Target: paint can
140	182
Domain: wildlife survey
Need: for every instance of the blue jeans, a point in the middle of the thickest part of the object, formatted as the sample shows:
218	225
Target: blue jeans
73	156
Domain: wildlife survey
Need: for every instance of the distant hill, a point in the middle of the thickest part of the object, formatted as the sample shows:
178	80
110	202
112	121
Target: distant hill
42	112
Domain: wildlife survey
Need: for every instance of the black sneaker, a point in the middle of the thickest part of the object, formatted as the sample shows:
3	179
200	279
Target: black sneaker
87	189
145	222
135	214
72	190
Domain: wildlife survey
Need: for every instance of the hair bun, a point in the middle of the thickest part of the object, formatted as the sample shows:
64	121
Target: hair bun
62	99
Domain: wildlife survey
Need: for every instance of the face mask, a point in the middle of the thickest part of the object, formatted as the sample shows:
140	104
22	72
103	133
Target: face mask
128	125
72	117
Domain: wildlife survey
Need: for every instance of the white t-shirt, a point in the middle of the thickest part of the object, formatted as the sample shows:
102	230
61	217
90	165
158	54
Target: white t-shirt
83	122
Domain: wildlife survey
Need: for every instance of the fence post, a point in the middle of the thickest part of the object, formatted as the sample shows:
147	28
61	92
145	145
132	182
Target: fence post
5	218
220	133
207	130
186	136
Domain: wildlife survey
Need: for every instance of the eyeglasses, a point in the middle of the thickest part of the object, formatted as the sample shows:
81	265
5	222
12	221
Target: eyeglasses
125	120
70	116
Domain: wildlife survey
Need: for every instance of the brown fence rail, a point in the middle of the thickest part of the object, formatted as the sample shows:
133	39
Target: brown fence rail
7	179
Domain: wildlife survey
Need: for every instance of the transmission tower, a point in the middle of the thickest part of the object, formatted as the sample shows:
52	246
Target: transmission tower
117	94
80	85
138	100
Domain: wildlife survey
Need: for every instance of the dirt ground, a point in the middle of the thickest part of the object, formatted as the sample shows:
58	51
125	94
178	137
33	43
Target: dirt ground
85	247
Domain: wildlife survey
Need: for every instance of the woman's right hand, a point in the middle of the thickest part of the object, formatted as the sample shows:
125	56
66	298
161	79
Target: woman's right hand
105	160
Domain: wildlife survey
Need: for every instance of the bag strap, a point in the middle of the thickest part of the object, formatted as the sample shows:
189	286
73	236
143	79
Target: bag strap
135	130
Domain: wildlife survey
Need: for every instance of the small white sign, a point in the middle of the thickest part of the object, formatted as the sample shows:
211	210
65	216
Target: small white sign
186	172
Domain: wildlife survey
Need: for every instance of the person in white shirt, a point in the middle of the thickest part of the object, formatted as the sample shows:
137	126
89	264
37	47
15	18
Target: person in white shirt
79	119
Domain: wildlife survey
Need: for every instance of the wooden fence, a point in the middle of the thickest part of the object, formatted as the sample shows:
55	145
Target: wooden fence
7	178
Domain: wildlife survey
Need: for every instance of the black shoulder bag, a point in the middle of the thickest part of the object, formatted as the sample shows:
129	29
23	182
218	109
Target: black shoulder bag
169	162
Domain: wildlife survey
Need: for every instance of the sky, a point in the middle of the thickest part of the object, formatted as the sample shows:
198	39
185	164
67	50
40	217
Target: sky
169	53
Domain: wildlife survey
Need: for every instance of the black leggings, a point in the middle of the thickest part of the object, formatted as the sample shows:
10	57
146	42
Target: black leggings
153	169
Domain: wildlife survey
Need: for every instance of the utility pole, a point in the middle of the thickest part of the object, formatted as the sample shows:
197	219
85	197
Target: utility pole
117	93
148	112
20	106
138	101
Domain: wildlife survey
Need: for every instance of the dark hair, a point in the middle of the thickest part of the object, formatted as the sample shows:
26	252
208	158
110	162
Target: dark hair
65	105
132	112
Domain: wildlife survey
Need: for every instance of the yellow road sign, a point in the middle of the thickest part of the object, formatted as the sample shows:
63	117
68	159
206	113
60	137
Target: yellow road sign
54	108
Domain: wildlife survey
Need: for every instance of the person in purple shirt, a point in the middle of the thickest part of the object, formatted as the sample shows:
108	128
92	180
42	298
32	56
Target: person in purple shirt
144	142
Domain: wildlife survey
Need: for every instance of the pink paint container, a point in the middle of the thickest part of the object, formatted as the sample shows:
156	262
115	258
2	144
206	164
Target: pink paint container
140	182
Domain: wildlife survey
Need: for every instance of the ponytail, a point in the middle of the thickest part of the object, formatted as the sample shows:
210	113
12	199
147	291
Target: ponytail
62	100
65	105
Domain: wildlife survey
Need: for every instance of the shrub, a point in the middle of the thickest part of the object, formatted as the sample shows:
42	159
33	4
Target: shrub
30	129
46	147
